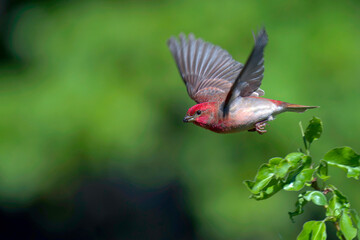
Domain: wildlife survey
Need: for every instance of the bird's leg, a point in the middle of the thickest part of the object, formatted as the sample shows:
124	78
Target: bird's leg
260	127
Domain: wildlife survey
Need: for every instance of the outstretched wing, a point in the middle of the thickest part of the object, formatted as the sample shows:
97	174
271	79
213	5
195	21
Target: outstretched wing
249	79
207	70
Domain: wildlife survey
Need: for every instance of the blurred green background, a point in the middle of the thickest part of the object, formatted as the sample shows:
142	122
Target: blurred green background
89	92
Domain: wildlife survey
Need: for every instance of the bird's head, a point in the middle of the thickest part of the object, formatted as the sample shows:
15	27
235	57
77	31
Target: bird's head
202	114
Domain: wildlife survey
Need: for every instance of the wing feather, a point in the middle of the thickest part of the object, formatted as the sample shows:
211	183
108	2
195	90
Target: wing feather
207	70
250	77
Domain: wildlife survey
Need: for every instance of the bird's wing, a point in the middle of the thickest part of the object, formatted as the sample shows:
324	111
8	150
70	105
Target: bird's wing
249	79
207	70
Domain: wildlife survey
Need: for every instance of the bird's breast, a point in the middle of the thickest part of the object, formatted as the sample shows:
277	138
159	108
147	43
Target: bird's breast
244	113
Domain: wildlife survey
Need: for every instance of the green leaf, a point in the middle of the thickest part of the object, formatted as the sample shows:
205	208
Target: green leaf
275	161
346	159
298	162
316	197
282	169
262	179
306	160
340	235
337	203
300	180
313	230
355	217
267	191
294	158
314	130
300	203
272	176
333	210
322	170
341	198
347	227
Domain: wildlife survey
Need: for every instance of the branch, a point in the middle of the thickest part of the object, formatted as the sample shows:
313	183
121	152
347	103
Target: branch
337	226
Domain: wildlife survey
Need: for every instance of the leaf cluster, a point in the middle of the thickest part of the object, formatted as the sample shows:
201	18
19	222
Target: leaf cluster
298	171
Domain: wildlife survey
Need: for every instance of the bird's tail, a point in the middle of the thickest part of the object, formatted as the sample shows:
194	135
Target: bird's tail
289	107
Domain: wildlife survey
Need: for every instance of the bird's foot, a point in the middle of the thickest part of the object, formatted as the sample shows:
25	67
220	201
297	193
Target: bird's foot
260	127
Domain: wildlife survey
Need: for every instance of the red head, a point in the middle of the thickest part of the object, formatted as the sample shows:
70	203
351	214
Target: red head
203	114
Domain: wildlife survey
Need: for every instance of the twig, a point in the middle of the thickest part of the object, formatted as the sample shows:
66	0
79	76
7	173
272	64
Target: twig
337	226
315	185
304	139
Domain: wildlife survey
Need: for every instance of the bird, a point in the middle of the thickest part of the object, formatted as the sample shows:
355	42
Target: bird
228	94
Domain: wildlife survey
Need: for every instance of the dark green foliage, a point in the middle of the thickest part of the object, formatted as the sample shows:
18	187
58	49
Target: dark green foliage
314	130
297	171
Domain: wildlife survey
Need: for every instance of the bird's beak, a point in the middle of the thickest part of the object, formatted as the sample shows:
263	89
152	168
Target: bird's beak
188	119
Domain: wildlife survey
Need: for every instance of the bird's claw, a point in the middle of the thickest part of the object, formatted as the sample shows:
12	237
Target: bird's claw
260	127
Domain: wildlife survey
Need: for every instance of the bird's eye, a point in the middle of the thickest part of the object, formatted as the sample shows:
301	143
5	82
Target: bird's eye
198	112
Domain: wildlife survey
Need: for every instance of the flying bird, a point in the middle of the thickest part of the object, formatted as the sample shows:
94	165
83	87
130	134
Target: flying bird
227	92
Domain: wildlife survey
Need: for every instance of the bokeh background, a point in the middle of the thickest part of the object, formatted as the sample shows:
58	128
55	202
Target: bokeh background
92	143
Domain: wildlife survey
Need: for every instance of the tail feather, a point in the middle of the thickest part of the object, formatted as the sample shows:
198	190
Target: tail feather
297	108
